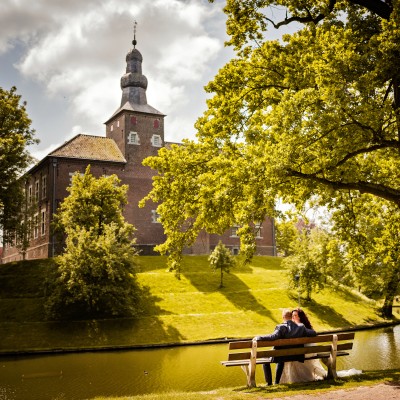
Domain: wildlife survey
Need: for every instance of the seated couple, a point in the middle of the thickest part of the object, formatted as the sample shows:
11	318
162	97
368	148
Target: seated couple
292	369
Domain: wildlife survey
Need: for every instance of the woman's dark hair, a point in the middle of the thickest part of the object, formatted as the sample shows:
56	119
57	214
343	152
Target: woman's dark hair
303	318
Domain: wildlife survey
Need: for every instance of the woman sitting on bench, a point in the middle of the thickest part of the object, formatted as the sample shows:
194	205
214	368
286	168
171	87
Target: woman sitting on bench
307	371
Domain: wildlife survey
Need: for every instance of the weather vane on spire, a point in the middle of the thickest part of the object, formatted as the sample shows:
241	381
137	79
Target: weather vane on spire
134	34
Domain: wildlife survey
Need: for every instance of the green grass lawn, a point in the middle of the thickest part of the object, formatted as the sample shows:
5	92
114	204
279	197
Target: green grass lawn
191	309
320	388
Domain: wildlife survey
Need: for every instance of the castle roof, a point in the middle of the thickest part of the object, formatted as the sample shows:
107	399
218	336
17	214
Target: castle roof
90	147
143	108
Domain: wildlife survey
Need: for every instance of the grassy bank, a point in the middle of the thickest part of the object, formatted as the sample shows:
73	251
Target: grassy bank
322	388
175	311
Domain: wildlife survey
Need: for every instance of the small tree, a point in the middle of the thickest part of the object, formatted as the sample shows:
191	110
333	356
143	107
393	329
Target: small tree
222	259
96	274
305	267
286	233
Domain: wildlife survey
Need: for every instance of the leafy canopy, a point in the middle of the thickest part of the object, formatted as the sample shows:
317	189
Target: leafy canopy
311	115
370	228
96	270
15	136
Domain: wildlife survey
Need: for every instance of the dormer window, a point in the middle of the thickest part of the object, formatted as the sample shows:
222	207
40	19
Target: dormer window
156	141
133	138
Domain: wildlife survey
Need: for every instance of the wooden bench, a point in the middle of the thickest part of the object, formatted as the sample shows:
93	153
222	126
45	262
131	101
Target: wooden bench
247	354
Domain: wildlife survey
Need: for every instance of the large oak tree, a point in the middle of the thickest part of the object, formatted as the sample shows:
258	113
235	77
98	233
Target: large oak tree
308	116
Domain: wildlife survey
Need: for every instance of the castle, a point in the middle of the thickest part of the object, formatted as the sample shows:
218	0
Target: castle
133	132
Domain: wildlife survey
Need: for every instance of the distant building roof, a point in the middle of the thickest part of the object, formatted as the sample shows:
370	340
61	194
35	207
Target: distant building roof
169	144
90	148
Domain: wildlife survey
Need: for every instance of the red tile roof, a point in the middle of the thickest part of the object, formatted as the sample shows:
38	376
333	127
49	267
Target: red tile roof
90	148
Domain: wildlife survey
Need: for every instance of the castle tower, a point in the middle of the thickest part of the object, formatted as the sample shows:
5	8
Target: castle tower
138	130
136	127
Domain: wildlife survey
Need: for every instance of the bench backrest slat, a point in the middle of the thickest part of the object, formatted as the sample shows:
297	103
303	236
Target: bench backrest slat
244	344
247	344
292	351
239	356
305	340
264	352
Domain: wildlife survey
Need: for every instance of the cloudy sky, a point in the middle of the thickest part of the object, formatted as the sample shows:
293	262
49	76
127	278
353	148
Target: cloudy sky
66	58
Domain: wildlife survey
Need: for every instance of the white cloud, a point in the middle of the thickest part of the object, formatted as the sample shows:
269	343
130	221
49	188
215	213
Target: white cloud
187	59
75	53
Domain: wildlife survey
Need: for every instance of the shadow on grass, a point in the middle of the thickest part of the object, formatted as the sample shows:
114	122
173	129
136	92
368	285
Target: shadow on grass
146	327
234	289
110	333
327	314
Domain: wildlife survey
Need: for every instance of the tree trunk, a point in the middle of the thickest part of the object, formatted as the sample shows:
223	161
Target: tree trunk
390	293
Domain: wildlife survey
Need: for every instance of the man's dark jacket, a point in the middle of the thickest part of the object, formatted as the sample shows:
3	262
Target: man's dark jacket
288	330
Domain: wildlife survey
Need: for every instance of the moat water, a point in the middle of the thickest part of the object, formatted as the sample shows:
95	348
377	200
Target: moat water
78	376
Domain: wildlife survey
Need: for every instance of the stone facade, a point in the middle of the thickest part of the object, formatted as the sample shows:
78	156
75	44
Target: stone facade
135	131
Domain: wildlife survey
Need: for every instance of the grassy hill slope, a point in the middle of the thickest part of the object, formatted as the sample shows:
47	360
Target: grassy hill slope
191	309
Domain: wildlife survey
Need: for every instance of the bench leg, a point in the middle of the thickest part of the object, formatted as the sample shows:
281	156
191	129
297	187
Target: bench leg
250	368
331	362
250	380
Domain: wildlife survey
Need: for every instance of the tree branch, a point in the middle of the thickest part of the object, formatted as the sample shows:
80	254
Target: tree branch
380	8
303	20
379	190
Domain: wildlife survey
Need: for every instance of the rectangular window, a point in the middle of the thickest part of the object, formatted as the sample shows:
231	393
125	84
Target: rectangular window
133	120
30	195
44	186
29	228
35	226
257	228
118	124
111	127
36	190
234	231
133	138
155	217
43	222
156	140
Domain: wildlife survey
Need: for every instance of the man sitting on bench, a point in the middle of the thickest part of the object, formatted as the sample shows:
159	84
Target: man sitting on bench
287	330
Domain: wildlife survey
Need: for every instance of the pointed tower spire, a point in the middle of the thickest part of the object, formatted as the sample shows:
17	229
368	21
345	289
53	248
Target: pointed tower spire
134	83
134	42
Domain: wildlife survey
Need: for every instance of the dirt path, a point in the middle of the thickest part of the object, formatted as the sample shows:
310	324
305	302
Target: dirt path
383	391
